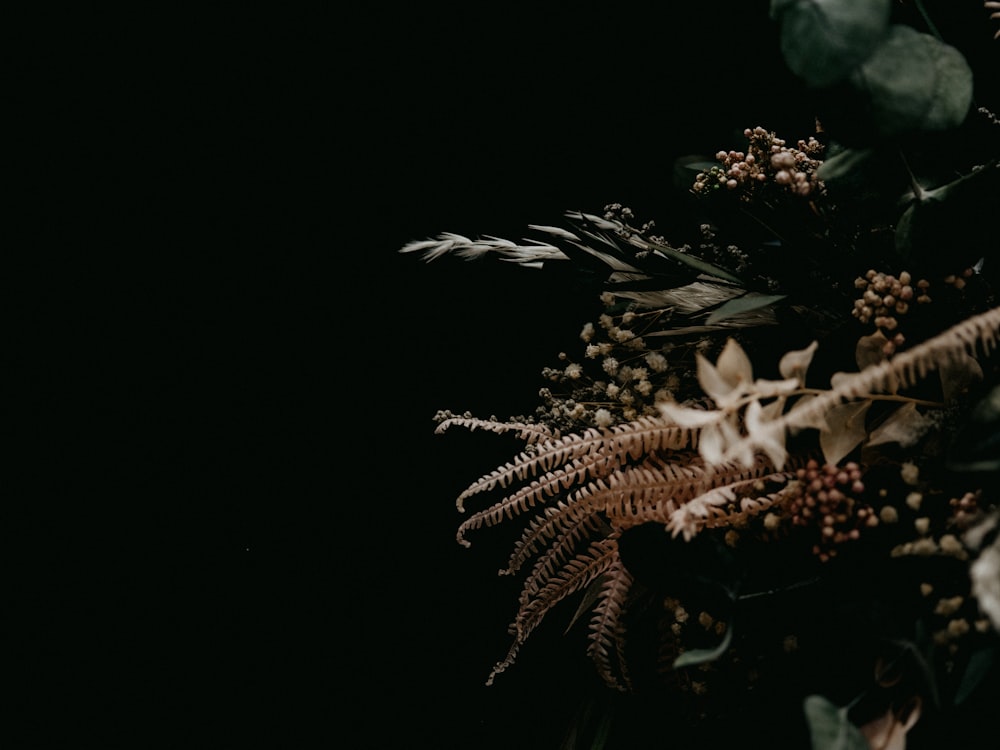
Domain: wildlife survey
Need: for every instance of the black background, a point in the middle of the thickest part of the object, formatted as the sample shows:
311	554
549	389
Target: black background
240	524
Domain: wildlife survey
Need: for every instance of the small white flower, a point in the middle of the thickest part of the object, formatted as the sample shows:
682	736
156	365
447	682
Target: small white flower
602	418
656	361
610	365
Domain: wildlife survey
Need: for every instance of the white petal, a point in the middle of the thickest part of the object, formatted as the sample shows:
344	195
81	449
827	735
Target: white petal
794	364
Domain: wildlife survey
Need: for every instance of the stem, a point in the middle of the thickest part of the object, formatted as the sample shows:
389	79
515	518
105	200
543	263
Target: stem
790	587
876	397
928	21
918	191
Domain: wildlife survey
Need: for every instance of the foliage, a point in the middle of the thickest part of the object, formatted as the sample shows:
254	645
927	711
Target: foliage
806	402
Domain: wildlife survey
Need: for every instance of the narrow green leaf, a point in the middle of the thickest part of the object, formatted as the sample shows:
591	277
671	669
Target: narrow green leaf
979	666
702	655
745	303
830	728
589	597
697	263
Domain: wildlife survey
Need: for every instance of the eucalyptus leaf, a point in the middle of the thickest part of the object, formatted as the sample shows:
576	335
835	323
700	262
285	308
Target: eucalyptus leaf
830	728
914	82
703	655
745	303
823	40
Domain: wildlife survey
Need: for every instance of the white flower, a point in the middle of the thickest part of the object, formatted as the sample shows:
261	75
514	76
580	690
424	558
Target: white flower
656	361
573	371
610	365
985	575
729	378
602	417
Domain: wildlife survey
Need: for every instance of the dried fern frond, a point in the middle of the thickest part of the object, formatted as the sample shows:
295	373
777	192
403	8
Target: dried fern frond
995	16
977	336
571	458
607	629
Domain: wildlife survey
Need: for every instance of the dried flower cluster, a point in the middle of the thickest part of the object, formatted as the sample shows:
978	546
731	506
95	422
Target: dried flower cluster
804	421
768	163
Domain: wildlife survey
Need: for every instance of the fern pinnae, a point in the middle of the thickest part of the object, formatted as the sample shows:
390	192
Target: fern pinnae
555	559
595	451
530	433
563	521
576	574
749	507
539	491
607	629
727	481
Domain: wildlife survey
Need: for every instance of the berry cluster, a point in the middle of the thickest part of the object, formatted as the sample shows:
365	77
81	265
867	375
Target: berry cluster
965	510
830	500
885	299
767	161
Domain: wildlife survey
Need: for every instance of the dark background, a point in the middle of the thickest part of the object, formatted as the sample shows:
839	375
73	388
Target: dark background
240	525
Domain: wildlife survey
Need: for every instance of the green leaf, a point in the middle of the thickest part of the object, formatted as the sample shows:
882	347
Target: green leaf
844	164
589	597
702	655
977	447
744	303
979	666
952	216
830	728
913	82
823	40
696	263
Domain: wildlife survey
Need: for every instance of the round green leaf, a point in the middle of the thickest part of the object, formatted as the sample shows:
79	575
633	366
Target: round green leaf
823	40
915	82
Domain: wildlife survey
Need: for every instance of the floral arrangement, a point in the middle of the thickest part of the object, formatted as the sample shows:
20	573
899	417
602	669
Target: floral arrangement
777	449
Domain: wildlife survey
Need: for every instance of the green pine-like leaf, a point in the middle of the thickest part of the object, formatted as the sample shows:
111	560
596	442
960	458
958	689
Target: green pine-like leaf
823	40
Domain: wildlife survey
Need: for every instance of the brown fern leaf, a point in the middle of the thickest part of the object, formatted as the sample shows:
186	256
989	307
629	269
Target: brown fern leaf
593	451
653	483
607	630
708	485
749	506
529	433
538	491
574	576
561	527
